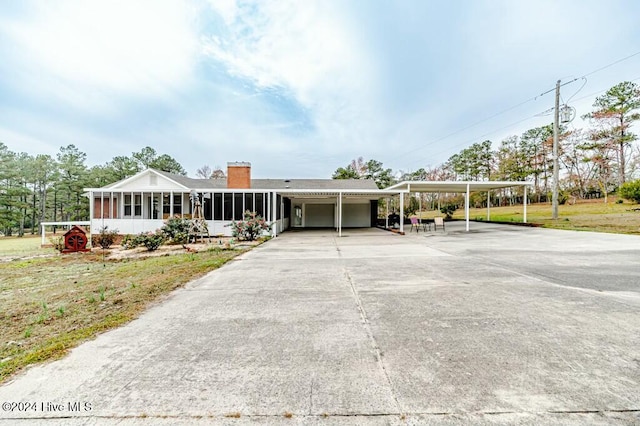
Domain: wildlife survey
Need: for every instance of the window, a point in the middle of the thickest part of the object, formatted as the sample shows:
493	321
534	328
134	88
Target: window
127	205
166	206
237	201
177	204
154	203
278	207
259	205
268	210
137	208
206	206
248	202
228	206
217	206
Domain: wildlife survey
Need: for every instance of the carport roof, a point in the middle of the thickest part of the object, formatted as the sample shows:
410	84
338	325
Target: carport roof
453	186
372	194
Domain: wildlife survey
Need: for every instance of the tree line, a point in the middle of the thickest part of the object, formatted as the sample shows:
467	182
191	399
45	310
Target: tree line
41	188
593	161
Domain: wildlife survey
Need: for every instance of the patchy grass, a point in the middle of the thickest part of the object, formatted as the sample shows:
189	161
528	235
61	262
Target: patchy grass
51	304
29	245
587	215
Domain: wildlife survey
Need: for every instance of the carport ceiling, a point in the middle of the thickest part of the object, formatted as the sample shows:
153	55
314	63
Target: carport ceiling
453	186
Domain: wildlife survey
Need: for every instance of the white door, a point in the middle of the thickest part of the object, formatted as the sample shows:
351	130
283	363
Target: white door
297	216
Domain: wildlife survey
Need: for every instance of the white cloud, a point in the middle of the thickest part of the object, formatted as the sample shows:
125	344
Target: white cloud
142	47
295	86
308	51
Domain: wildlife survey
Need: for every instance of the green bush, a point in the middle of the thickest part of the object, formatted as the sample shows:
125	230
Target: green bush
176	230
630	191
129	242
106	238
151	240
412	207
57	242
448	210
563	197
250	228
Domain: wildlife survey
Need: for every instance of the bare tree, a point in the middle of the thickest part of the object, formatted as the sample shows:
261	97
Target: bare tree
204	172
218	173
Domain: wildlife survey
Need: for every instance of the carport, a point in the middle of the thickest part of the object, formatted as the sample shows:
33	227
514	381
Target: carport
466	187
337	199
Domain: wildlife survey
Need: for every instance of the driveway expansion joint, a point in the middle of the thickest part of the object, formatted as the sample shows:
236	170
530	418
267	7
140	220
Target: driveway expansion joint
367	327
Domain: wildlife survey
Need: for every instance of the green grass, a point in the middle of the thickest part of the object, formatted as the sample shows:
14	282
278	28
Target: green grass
49	305
589	215
22	247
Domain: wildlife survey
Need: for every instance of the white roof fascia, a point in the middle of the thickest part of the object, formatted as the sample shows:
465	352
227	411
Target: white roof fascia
454	186
136	176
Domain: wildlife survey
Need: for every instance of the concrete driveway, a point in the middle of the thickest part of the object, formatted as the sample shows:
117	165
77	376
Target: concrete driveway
501	325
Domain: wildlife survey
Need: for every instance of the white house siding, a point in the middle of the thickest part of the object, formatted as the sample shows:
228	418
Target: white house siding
356	215
319	215
126	226
136	226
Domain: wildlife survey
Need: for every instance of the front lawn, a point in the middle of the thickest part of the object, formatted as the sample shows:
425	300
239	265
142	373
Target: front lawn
50	304
585	215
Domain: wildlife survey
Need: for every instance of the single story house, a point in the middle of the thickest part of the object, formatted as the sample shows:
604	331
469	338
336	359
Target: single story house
144	201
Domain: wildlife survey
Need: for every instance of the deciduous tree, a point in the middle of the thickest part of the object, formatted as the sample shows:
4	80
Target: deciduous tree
614	113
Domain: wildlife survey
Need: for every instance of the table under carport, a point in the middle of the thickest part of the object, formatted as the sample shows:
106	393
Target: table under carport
466	187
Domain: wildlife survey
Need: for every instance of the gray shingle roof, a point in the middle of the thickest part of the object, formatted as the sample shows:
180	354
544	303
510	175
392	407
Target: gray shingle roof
365	184
311	184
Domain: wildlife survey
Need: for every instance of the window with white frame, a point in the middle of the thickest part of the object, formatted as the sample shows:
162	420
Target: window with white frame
177	203
137	207
127	204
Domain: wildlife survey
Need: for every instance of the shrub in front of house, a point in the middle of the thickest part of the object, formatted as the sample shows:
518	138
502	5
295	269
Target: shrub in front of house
106	238
150	240
129	242
176	230
250	228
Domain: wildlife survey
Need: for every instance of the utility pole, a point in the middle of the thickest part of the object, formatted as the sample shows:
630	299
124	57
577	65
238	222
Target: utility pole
556	119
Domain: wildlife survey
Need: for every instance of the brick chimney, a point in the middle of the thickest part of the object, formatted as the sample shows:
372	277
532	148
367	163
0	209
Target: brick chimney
239	175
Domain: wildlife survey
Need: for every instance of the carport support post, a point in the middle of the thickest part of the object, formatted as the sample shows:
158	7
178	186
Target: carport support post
401	212
274	217
340	214
386	218
524	215
488	205
466	207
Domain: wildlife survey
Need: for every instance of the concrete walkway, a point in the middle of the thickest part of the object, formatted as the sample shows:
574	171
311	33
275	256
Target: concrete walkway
501	325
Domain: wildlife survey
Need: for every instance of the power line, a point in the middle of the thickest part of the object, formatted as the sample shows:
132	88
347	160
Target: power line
600	91
612	64
584	77
463	129
593	72
481	136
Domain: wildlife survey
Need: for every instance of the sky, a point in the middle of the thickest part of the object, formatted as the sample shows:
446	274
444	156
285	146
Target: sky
300	88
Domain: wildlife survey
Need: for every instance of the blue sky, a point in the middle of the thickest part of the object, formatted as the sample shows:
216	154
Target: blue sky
299	88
